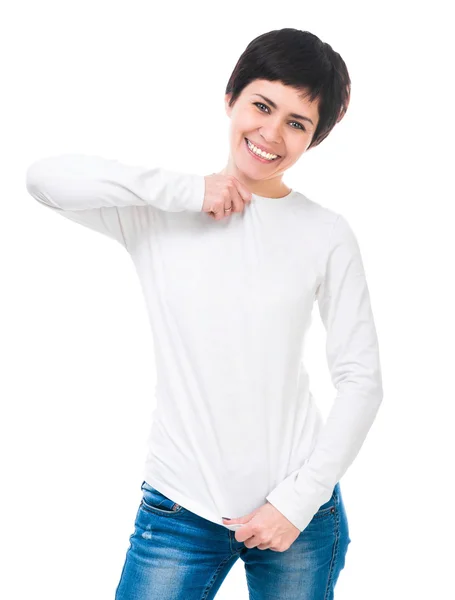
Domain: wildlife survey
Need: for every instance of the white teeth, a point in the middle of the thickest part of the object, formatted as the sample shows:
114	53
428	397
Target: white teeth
260	152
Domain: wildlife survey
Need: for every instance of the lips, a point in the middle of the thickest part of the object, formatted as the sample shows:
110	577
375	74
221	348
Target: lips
263	149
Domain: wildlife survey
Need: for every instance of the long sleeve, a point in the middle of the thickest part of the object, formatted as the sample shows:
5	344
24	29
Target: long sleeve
353	359
103	194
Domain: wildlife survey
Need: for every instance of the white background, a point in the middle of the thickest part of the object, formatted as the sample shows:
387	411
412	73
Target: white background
145	83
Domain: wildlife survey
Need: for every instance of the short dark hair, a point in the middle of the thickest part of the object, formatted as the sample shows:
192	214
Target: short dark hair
301	60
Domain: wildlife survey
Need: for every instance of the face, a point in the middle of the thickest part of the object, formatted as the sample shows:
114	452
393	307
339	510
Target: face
271	128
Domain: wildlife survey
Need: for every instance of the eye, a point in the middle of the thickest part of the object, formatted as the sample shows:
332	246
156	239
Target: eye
260	104
300	126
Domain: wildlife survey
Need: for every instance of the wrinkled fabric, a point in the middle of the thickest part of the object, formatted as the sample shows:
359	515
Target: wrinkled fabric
229	304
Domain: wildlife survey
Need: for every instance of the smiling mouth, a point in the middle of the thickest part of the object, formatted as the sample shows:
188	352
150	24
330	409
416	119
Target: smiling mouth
261	158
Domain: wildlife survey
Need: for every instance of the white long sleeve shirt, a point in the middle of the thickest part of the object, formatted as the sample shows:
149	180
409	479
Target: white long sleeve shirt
229	304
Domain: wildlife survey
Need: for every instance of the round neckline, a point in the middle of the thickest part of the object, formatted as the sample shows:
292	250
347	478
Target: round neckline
288	195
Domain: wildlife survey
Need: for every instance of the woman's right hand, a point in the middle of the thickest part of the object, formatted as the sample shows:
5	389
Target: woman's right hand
224	192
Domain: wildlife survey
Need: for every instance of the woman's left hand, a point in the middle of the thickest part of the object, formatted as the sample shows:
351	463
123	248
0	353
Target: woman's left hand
265	528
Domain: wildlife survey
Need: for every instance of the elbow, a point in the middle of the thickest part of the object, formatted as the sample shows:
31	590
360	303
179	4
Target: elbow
35	178
375	390
32	178
375	394
366	390
40	181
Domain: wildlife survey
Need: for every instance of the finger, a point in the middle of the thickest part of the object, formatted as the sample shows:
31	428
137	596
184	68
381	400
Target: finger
243	191
252	542
226	202
229	203
237	201
263	547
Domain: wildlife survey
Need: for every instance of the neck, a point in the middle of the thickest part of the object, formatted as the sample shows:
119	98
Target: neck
269	188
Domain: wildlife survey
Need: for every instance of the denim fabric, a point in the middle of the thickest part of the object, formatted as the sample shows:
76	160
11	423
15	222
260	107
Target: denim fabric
175	554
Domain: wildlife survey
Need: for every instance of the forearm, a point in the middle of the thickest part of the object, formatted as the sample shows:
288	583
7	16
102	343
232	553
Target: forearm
76	182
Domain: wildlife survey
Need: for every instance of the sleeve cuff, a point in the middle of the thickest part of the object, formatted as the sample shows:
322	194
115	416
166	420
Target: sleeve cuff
195	200
298	509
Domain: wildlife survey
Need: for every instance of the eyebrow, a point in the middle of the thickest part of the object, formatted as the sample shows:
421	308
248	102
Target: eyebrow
273	105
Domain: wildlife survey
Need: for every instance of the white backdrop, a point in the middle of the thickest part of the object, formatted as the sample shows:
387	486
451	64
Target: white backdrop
144	82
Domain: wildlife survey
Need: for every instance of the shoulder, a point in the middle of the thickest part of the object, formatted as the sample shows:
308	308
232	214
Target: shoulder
327	228
333	221
319	216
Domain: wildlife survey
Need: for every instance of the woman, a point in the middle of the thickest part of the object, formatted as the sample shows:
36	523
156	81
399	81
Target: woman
231	265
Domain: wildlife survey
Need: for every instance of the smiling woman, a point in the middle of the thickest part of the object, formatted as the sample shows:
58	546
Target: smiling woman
236	430
242	316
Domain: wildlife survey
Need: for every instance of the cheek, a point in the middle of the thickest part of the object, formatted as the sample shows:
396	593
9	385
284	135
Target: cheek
244	126
297	150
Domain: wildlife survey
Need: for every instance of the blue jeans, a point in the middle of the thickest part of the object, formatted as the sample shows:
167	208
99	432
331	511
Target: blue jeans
175	554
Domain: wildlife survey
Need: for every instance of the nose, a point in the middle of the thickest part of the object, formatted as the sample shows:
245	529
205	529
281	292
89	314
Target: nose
272	142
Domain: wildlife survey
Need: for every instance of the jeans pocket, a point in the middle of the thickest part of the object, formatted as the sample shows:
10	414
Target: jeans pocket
156	502
328	508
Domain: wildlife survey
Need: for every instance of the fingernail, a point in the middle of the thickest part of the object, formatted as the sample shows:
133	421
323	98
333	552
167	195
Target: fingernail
227	518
